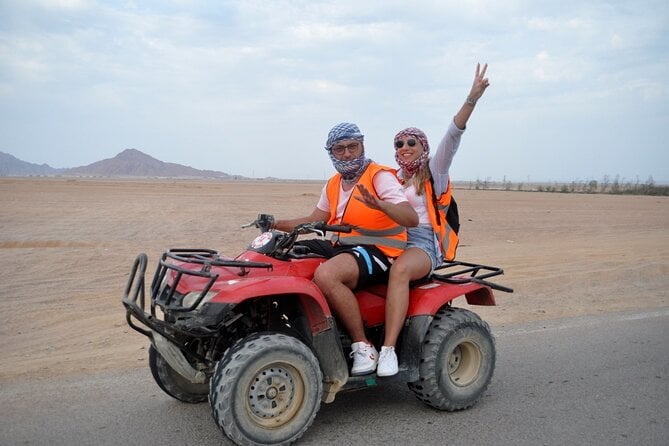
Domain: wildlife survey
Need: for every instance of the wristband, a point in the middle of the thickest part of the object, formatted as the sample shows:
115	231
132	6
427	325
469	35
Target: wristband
470	101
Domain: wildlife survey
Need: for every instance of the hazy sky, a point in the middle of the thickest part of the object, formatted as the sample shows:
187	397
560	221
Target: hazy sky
578	88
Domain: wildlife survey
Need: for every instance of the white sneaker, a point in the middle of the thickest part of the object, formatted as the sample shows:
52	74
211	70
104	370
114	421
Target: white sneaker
364	357
387	362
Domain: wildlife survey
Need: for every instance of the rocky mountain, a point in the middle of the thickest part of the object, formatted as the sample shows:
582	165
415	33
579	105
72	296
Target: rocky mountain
132	162
129	163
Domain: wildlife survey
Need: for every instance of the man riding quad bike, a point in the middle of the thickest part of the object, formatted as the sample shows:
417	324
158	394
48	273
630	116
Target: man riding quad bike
254	336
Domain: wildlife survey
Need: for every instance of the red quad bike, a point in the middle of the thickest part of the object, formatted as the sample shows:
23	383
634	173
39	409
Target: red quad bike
255	336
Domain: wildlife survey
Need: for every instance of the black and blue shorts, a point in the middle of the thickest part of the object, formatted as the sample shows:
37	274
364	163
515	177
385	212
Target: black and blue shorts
373	264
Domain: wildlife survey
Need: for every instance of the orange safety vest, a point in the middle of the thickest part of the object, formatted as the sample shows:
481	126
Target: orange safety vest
369	226
443	213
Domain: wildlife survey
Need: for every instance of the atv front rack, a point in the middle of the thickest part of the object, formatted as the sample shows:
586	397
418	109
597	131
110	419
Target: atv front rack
166	281
464	272
164	295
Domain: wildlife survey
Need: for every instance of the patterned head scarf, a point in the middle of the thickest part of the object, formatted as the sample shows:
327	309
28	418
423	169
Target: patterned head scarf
410	168
342	131
350	170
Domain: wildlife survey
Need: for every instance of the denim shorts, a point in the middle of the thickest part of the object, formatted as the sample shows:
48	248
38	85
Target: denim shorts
423	237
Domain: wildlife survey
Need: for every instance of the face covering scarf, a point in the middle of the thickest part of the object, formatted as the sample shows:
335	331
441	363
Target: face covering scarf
350	170
410	168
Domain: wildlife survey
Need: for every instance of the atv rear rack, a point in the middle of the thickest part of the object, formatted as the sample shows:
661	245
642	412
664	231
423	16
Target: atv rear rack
466	272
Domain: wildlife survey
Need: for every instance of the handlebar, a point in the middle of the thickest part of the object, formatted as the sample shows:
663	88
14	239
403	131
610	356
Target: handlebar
264	222
280	243
320	226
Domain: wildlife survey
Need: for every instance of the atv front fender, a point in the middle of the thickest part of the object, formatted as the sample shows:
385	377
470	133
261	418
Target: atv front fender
315	307
328	350
325	337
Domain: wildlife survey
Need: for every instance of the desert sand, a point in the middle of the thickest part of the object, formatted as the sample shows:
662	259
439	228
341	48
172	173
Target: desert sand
67	245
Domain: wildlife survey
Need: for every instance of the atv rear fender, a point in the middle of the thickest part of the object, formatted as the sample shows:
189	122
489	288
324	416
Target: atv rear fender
449	281
454	279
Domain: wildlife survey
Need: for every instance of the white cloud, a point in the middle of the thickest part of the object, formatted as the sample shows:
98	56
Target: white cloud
562	25
617	42
64	4
547	68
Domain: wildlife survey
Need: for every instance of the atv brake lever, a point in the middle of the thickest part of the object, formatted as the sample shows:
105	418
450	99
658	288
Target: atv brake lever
312	227
264	222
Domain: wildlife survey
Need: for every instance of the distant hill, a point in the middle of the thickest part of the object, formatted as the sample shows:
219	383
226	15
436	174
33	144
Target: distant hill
12	166
129	163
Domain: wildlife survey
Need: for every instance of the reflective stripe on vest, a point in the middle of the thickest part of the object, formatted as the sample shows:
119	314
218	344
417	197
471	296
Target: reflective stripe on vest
380	232
378	241
387	235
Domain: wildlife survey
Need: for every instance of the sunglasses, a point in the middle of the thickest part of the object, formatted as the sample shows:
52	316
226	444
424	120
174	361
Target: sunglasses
410	142
340	149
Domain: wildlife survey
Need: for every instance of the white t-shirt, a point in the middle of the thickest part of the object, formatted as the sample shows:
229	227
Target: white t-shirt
387	187
418	203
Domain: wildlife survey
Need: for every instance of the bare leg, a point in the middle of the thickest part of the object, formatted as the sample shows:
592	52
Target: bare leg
413	264
336	278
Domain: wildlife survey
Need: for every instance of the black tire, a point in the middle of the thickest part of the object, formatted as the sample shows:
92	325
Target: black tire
173	383
267	389
457	360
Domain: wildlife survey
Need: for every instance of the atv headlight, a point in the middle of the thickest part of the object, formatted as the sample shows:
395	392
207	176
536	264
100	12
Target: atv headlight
190	298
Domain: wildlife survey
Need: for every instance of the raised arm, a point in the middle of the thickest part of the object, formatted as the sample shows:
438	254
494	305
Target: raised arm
478	88
440	163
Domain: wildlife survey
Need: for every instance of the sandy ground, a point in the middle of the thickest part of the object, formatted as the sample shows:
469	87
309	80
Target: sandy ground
67	246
